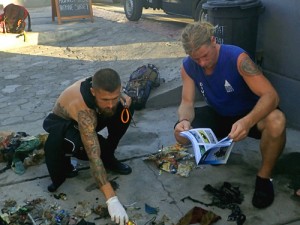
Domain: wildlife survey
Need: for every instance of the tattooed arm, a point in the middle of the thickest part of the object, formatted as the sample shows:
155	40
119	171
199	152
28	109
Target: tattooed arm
87	122
259	84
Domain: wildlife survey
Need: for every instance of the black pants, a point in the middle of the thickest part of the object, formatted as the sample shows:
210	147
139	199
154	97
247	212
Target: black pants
206	117
115	129
64	141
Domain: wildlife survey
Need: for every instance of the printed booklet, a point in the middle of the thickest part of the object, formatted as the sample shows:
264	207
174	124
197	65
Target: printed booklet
207	148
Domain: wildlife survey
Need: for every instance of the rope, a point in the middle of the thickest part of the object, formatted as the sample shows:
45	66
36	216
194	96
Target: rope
126	115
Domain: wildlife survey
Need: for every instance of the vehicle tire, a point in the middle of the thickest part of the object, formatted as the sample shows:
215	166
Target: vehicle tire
133	9
201	14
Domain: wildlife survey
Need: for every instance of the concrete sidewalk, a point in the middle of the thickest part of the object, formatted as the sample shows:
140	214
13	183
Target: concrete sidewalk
45	31
147	184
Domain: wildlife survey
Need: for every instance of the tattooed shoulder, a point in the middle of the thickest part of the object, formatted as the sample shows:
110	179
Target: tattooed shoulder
248	67
61	111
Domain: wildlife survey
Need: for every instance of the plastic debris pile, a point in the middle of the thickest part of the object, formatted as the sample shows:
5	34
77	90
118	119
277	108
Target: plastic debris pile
20	150
174	159
38	211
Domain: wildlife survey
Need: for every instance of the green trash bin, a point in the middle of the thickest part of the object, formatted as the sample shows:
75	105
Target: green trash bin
237	22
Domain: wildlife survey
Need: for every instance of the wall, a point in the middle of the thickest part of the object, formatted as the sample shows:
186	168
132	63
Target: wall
279	39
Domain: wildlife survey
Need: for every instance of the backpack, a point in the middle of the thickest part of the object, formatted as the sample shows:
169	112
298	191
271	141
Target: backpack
13	19
140	84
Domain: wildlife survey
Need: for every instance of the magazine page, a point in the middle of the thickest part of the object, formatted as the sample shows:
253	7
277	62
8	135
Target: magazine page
218	154
202	135
202	139
195	144
206	135
223	143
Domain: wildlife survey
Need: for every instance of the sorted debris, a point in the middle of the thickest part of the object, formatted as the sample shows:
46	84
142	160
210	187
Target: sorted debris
236	214
132	206
62	217
37	157
173	159
35	202
184	168
21	150
199	215
130	223
195	200
73	221
10	203
226	197
83	209
61	196
151	221
162	221
102	211
12	213
37	212
151	210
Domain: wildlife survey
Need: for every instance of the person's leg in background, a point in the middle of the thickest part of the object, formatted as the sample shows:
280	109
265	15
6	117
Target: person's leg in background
116	129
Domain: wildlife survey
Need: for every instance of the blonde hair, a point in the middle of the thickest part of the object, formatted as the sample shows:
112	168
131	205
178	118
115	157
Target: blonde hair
195	35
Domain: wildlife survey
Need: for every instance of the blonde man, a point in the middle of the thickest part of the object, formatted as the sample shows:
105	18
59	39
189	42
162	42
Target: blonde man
240	100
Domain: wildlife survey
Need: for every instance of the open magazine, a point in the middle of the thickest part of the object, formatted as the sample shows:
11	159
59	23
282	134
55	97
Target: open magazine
207	148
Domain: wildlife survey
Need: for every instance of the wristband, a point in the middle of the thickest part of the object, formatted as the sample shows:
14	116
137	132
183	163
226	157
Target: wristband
179	121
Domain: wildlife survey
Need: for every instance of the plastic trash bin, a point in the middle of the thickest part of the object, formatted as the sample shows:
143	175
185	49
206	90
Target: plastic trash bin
237	21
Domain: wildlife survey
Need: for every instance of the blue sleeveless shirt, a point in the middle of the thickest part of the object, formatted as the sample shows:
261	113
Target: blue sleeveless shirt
225	89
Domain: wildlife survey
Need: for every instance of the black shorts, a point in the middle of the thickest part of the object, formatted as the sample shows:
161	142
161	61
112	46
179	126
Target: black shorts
206	117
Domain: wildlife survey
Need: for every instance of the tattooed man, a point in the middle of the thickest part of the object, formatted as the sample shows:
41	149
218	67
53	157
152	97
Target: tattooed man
240	100
80	112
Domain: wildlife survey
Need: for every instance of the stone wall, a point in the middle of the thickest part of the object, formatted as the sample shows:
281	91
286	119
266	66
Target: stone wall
278	40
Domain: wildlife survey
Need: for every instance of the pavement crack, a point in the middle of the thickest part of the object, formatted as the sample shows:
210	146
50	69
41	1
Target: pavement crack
172	200
23	181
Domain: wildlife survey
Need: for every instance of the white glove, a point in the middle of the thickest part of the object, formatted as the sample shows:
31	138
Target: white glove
116	211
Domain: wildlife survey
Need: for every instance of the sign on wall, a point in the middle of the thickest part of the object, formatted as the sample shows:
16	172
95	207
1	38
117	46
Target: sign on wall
71	9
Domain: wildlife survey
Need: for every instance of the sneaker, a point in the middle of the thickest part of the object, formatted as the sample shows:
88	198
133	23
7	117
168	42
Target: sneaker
263	194
118	167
